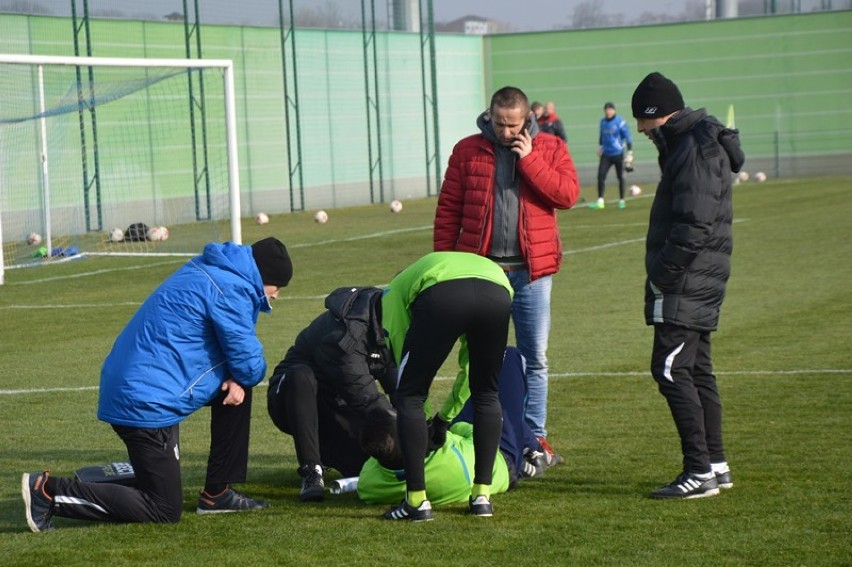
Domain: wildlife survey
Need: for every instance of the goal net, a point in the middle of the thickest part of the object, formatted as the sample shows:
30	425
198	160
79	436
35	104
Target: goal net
115	157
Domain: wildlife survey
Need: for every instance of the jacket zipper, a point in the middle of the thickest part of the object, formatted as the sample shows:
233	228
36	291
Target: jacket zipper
199	379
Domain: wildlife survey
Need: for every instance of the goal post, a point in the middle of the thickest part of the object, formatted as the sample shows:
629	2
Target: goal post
127	127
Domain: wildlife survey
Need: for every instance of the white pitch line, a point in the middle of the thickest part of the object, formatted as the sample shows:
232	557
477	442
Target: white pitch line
95	273
602	246
72	305
361	237
557	375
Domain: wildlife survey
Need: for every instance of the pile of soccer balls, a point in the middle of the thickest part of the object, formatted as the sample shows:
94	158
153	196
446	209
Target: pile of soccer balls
154	234
743	176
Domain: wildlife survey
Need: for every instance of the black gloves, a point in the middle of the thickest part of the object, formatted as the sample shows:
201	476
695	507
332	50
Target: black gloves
437	432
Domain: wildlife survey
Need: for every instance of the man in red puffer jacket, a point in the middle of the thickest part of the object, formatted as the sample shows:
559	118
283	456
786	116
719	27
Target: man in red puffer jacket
499	199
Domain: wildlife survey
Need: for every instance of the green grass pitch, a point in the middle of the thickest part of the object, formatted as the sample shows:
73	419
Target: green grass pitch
783	354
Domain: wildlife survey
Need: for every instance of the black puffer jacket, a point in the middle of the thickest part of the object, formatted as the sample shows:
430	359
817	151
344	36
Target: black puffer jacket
346	348
689	243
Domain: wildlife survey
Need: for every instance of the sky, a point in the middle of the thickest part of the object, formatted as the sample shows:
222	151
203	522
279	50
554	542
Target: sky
522	15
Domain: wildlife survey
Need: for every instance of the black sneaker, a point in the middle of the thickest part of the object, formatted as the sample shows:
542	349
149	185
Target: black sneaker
229	500
480	506
688	486
37	504
313	485
405	511
725	479
535	462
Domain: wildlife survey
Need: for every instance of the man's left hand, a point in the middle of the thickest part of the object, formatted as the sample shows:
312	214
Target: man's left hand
522	146
236	394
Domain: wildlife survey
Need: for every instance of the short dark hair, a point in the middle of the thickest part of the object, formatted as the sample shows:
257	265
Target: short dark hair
536	105
510	97
379	439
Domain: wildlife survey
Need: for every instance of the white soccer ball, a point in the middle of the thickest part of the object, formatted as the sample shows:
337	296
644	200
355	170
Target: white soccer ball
158	233
635	190
116	235
34	238
760	177
743	176
321	217
261	218
396	206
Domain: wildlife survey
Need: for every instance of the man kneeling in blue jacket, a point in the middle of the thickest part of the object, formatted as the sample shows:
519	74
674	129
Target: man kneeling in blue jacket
191	344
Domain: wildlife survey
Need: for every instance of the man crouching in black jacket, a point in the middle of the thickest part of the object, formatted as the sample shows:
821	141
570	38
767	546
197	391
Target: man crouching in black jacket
688	261
323	390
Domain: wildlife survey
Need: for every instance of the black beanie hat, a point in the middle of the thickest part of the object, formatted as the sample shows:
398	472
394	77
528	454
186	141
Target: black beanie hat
272	261
656	96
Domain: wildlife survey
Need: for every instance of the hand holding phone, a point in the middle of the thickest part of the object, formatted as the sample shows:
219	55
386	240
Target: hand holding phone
522	146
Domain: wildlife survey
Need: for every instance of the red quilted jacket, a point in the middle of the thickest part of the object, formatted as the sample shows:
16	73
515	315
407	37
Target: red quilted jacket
549	182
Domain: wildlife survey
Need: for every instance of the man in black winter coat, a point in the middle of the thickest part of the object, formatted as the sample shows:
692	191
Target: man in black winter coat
324	389
688	262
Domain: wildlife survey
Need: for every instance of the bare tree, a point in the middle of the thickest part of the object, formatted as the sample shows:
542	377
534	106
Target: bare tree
325	16
591	14
692	11
25	7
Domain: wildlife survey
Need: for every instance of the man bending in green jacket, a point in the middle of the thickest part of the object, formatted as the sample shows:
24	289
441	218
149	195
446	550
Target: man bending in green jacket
426	308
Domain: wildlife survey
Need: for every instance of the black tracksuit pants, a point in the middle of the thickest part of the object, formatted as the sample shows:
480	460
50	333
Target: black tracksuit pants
324	431
603	168
157	495
682	366
480	310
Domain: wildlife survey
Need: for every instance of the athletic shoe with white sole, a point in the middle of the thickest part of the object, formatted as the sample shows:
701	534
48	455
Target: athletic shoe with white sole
405	511
313	484
229	500
38	505
480	507
688	486
535	463
724	479
598	205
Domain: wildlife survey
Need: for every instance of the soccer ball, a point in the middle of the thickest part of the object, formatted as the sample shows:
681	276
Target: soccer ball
635	190
743	176
396	206
261	218
760	177
158	234
321	217
116	235
34	238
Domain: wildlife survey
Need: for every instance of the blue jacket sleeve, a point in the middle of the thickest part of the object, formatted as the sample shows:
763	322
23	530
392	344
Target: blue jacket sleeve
233	315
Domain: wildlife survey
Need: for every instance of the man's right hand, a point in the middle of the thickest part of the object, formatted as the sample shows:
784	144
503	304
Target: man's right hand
600	151
437	432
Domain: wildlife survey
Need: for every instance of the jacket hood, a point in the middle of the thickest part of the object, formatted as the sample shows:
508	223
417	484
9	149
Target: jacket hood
708	130
483	122
342	302
239	261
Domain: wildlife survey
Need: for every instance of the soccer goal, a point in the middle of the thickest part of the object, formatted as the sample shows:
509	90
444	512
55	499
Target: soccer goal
102	156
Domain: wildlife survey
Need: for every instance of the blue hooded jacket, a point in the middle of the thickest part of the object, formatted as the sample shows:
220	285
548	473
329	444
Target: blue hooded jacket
615	135
196	330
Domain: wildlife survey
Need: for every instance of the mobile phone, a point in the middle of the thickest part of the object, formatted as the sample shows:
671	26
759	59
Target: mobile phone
526	127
